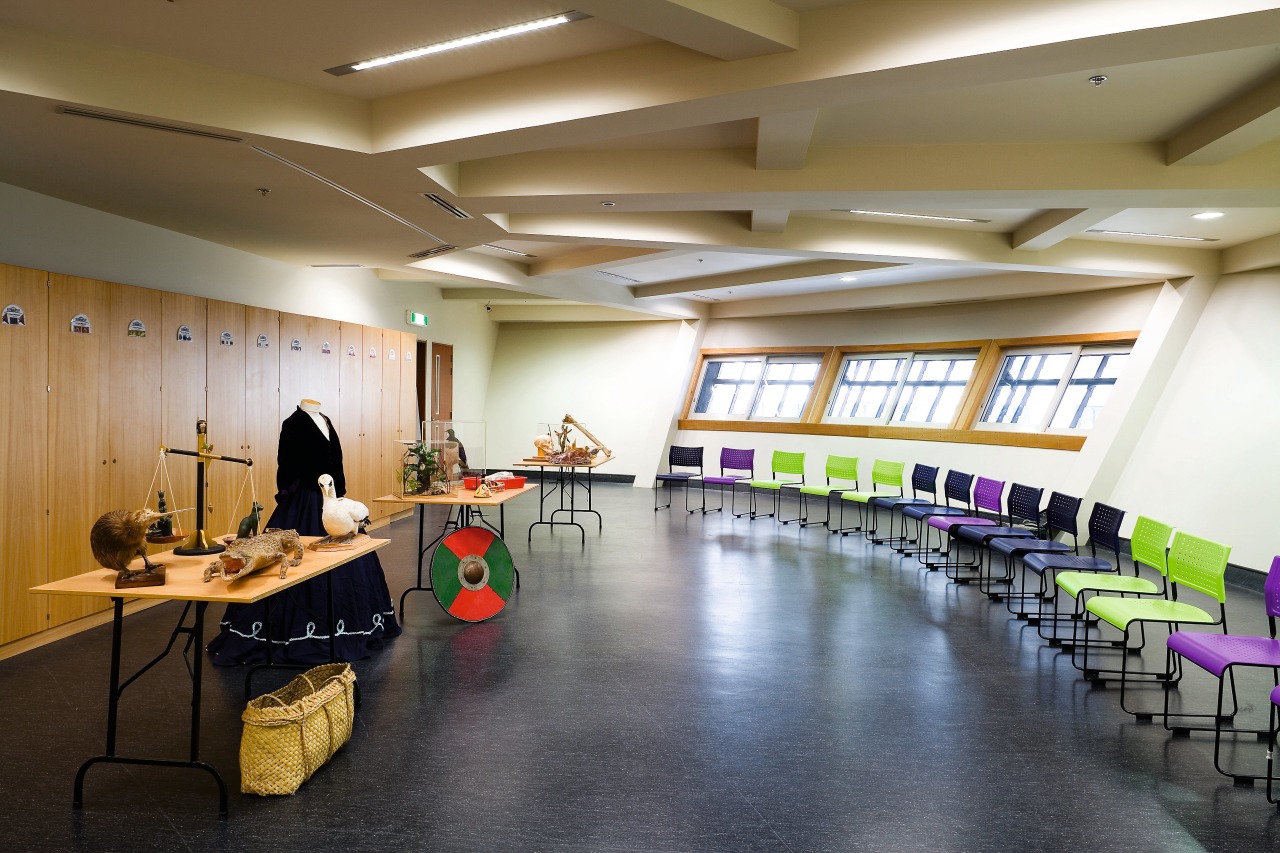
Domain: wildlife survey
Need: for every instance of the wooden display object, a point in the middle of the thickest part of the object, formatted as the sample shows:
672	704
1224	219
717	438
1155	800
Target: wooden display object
148	577
176	536
356	541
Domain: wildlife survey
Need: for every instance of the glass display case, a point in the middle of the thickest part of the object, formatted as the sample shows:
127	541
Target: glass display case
437	461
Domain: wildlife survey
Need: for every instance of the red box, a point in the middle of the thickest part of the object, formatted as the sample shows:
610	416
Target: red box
470	482
514	482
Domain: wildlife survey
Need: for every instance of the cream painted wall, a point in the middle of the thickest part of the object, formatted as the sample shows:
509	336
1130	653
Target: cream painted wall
49	234
1208	459
622	380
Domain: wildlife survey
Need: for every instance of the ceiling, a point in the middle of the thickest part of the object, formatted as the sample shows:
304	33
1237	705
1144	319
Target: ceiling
672	158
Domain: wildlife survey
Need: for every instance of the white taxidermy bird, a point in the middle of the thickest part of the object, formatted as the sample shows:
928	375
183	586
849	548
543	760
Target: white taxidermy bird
342	517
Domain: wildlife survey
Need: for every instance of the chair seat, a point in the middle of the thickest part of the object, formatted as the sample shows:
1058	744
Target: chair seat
982	533
820	491
1010	545
863	497
1215	652
1041	562
677	475
1121	611
896	503
771	484
1074	583
723	481
919	512
947	522
1275	696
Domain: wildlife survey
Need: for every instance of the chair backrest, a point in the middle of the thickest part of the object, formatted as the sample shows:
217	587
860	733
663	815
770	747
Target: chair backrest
987	495
887	473
1024	504
1271	593
1149	544
1062	514
924	480
842	468
786	462
1104	529
684	457
1200	564
958	487
736	459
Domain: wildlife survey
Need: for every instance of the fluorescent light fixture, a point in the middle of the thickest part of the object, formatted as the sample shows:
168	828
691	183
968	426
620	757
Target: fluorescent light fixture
1157	236
413	318
337	266
910	215
508	251
454	44
848	278
1209	214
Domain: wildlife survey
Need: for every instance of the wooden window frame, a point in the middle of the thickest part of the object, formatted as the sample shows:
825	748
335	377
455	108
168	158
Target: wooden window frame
962	430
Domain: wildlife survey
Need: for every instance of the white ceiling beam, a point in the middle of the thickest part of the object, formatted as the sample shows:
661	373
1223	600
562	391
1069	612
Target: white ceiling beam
772	221
742	278
594	256
1231	129
488	294
919	294
550	313
1263	253
868	241
1053	226
725	29
782	140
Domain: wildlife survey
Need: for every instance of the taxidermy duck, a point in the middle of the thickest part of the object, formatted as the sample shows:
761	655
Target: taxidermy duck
119	536
342	517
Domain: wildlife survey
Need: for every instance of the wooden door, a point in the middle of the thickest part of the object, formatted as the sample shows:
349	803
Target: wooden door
351	398
79	442
24	451
183	339
134	335
226	492
371	424
262	402
441	378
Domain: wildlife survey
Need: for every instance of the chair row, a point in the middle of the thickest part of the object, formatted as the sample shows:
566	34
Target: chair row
1012	549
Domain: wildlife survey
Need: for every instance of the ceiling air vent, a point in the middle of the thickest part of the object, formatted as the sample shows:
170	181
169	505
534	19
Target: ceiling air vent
448	206
151	125
431	253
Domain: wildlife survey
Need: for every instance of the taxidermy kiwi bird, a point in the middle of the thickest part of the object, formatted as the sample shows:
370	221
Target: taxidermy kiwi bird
119	536
342	517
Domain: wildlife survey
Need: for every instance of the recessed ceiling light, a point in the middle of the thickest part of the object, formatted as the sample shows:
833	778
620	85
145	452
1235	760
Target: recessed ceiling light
1098	79
1209	214
848	278
608	204
1157	236
454	44
911	215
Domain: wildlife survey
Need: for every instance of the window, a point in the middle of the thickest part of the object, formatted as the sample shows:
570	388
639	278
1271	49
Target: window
1059	388
915	388
756	387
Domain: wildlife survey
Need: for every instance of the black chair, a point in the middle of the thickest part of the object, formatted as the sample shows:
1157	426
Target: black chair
679	457
1023	515
1061	518
1104	533
958	486
924	481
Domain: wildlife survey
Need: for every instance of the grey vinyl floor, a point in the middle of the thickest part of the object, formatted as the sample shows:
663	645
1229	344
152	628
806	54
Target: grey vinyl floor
677	683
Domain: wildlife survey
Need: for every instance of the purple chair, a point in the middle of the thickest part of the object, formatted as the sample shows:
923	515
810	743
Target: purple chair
679	457
731	459
1022	512
1219	654
988	495
1275	731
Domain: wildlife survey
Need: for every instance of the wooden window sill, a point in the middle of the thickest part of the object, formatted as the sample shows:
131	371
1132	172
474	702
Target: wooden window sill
956	436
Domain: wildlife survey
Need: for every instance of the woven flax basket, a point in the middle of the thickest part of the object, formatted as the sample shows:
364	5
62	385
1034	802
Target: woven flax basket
290	733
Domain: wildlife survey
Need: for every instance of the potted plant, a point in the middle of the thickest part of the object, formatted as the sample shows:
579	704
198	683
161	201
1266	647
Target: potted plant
417	468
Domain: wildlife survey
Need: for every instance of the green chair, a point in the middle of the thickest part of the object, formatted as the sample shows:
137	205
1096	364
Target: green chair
884	476
841	470
1148	545
1194	563
784	462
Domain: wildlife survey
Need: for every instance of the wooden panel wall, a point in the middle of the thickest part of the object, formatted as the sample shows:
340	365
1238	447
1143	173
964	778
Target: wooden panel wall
24	449
86	414
79	440
226	492
262	403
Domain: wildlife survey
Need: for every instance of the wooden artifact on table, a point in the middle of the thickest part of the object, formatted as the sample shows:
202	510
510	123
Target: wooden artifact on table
244	556
119	536
342	517
483	490
599	445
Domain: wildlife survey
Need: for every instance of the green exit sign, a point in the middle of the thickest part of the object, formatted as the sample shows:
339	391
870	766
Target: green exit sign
413	318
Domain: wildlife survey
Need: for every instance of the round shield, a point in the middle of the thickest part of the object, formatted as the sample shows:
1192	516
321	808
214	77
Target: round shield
471	574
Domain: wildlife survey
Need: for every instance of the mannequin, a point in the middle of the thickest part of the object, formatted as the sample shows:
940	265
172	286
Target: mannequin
362	607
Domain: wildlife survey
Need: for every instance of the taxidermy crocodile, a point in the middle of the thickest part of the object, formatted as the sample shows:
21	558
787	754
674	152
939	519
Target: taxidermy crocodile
257	552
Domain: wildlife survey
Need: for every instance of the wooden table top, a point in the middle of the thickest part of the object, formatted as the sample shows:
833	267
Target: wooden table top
461	497
183	577
547	463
